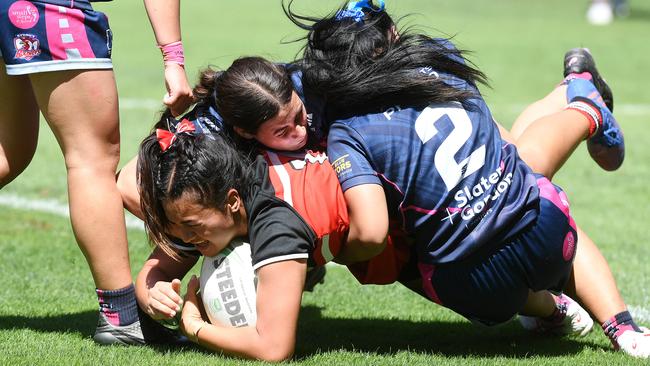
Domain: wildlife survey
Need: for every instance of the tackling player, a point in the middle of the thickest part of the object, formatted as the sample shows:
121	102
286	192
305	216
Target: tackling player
419	104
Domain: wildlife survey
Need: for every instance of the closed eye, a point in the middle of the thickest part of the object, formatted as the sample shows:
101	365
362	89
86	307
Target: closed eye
281	132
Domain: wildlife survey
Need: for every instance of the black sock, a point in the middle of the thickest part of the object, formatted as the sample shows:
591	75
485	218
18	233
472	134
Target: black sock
118	306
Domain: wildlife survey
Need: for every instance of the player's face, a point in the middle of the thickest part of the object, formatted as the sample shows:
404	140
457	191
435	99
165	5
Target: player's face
208	229
287	131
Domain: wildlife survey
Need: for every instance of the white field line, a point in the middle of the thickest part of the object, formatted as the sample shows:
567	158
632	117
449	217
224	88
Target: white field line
141	103
54	207
640	313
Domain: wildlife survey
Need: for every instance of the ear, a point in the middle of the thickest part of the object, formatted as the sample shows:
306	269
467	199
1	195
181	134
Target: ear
242	133
233	201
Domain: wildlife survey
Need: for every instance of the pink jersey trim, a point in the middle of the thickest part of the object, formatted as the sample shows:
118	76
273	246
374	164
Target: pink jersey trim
559	199
426	270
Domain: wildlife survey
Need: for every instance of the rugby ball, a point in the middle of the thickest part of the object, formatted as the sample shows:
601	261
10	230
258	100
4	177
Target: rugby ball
228	285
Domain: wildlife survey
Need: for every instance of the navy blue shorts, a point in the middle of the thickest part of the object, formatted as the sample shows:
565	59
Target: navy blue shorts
38	36
492	285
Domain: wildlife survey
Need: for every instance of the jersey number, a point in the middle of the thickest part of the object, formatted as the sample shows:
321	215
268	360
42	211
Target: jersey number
451	171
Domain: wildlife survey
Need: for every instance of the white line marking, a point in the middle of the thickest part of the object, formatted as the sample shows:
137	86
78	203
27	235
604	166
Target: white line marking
142	103
641	315
55	207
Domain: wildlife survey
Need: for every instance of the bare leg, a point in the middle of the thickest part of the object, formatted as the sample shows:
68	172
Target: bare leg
18	125
546	136
539	304
549	141
554	102
592	282
81	108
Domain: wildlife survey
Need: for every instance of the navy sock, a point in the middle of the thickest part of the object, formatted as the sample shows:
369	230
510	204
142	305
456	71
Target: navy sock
618	324
118	306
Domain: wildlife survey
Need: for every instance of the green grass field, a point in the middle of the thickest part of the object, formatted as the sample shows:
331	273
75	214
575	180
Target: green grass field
47	303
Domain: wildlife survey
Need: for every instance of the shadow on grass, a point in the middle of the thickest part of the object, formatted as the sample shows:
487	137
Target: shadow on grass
317	334
82	323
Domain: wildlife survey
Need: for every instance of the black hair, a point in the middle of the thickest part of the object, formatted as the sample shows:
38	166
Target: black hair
205	91
206	166
363	65
251	91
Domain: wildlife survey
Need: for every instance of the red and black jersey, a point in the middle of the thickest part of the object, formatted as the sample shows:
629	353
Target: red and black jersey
307	182
297	210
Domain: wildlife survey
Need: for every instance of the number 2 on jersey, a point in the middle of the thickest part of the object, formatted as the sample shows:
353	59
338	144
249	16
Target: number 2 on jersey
451	171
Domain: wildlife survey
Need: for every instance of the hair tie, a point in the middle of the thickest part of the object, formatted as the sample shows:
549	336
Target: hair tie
166	138
355	10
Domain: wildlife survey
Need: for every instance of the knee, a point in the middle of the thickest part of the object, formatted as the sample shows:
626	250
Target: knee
537	160
98	157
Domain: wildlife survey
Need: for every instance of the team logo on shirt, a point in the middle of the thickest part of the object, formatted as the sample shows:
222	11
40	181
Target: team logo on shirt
23	14
27	46
342	165
473	200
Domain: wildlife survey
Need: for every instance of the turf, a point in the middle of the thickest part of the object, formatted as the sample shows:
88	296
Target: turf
48	308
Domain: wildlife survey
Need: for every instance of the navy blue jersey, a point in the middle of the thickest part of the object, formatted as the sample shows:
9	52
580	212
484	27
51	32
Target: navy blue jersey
446	172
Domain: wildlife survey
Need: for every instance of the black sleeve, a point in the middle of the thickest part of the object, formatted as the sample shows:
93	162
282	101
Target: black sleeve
277	233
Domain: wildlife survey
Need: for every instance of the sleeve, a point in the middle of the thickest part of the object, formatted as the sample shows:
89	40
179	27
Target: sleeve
347	152
277	233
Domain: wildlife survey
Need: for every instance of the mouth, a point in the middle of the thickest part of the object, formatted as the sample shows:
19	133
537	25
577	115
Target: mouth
201	245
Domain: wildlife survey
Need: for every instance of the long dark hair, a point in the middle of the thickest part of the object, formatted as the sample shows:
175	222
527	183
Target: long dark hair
360	65
206	166
250	92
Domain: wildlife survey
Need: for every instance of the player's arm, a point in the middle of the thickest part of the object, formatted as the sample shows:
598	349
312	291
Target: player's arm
368	223
158	284
164	16
364	195
279	292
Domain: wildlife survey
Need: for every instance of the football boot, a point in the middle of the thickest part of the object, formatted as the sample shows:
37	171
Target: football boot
143	331
578	61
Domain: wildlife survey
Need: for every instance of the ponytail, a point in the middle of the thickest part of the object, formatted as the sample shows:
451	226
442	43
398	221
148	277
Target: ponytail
205	92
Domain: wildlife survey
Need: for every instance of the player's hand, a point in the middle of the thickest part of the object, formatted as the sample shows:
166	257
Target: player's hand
179	93
191	318
164	300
